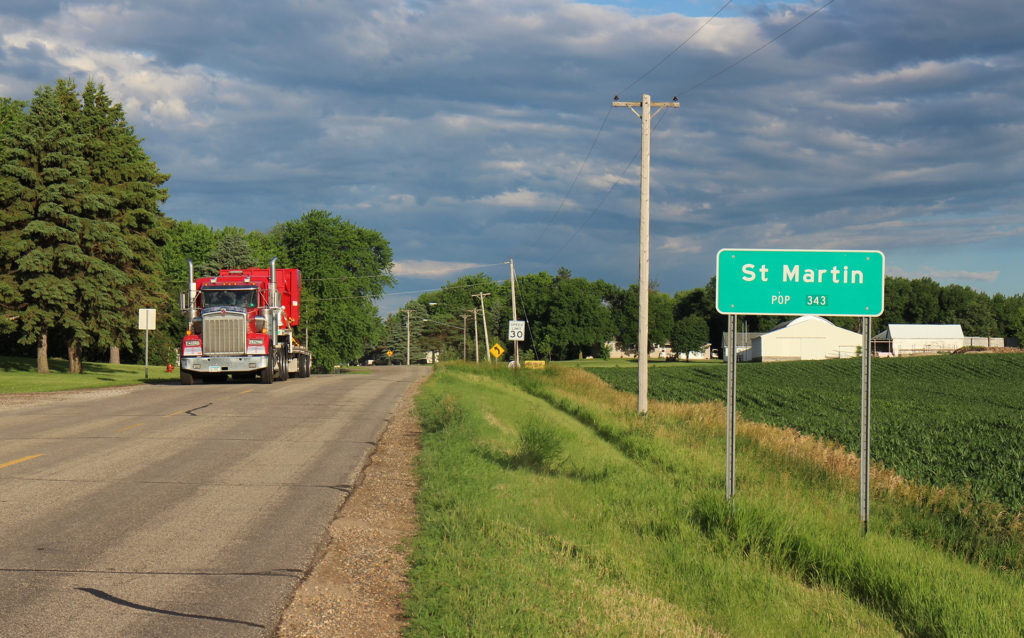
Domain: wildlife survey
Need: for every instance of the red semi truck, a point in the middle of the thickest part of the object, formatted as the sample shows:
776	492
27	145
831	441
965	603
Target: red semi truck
242	323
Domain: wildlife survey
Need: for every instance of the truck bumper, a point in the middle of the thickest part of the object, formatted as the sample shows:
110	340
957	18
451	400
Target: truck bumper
206	365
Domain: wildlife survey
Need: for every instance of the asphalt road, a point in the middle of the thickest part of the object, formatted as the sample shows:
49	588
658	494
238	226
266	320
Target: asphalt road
168	510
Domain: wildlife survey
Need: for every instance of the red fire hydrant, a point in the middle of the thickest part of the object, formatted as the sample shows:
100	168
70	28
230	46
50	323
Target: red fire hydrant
170	367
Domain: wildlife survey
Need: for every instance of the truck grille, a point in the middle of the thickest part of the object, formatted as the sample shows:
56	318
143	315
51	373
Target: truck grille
224	335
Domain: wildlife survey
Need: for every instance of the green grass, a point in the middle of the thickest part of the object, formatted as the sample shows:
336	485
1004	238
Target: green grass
19	375
947	420
612	524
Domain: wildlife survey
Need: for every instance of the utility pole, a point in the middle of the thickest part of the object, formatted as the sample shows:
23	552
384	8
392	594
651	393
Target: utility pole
464	317
483	314
645	105
512	280
476	338
408	336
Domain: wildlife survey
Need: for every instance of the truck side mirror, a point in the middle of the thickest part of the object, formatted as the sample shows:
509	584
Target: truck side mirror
181	301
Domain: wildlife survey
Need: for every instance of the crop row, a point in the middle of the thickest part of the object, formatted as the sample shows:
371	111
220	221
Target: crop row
942	420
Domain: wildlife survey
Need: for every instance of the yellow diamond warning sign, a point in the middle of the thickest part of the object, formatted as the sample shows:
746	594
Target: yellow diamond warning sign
497	350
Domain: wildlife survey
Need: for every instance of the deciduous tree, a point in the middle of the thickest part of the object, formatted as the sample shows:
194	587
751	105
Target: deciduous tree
689	334
344	268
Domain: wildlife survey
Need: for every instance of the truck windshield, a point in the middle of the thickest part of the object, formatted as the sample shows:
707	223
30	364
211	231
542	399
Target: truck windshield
238	297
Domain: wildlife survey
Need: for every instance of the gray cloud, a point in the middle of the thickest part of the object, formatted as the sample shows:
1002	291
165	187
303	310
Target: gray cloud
456	128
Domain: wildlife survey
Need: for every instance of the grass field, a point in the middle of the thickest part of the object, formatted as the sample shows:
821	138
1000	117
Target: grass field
547	507
18	374
956	420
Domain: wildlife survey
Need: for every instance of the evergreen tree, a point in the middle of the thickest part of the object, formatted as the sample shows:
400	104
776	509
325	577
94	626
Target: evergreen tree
126	226
232	250
10	112
43	174
80	221
12	218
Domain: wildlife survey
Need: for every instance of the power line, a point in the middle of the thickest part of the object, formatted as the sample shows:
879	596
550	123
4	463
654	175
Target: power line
579	172
604	121
686	92
757	50
675	50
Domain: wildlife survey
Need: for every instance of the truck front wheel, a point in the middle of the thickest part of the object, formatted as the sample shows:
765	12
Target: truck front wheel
186	377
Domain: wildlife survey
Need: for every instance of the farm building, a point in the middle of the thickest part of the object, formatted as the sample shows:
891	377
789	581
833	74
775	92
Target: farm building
906	339
744	340
802	339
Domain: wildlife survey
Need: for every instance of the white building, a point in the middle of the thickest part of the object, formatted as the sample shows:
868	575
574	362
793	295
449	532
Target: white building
906	339
744	340
803	339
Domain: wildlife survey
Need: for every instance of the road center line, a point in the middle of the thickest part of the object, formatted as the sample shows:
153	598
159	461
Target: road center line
132	427
21	460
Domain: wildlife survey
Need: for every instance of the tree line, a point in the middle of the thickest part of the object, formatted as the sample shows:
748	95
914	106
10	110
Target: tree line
84	244
571	317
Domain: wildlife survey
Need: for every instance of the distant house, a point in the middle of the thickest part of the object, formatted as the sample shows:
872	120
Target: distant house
805	338
706	352
617	351
906	339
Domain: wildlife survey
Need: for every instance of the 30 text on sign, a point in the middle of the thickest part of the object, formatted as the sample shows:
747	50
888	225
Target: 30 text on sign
517	330
844	283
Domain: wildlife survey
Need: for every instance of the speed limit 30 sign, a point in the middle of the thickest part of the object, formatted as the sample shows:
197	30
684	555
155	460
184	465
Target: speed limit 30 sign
516	330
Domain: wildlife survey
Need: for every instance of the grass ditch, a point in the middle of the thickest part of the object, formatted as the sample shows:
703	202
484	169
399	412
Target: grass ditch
547	507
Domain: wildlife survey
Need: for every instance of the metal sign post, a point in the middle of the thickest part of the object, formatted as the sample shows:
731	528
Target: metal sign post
516	333
865	422
147	322
730	411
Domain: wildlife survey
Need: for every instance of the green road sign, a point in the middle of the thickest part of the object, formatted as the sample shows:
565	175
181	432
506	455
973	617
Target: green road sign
843	283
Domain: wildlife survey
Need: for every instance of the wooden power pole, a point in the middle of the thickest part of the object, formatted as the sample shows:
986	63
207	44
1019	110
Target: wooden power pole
645	105
408	336
483	314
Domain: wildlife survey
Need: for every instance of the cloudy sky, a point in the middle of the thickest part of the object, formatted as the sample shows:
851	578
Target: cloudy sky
469	131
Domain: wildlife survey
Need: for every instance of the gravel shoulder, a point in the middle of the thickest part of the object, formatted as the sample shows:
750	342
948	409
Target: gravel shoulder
356	588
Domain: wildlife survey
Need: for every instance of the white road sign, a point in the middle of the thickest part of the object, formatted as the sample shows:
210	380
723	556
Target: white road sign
147	318
516	330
